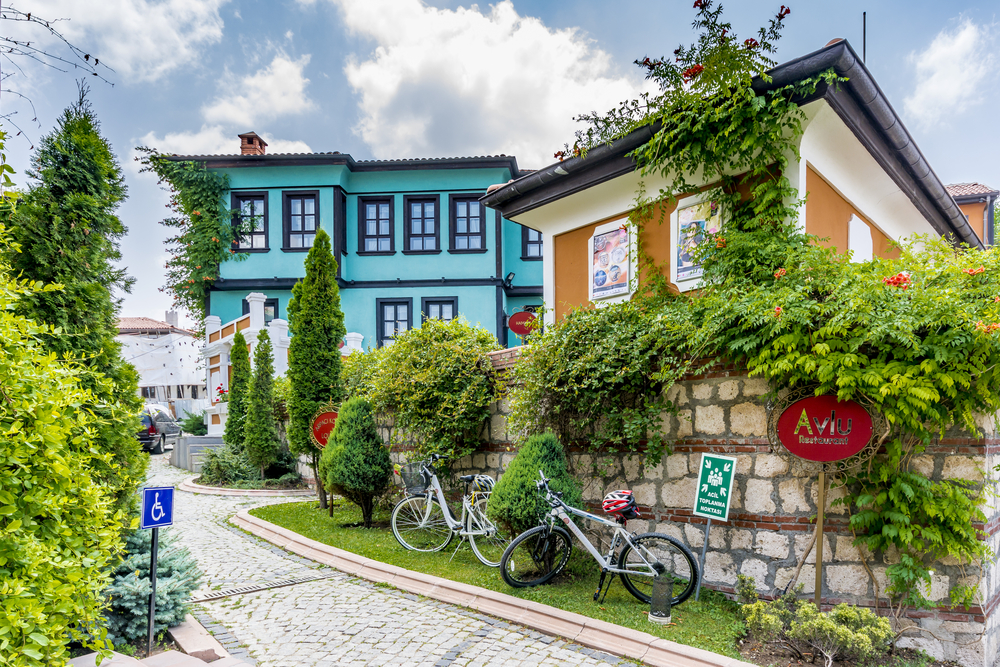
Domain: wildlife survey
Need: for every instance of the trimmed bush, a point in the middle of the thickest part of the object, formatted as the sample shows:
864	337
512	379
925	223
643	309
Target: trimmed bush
516	503
194	424
239	390
260	439
355	463
227	465
176	576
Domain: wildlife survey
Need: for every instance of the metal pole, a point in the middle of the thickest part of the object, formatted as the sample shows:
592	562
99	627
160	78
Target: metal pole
701	563
152	591
819	535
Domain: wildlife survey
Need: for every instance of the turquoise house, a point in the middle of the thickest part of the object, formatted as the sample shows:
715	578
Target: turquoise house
411	238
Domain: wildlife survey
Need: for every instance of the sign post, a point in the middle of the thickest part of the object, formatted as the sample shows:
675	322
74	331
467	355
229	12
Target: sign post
715	488
157	511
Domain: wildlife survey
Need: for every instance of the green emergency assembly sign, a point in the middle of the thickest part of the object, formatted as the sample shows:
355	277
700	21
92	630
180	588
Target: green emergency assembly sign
715	487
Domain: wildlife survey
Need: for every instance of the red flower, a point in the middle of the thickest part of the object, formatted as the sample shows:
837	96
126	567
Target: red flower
720	242
779	273
751	43
197	213
693	72
784	11
697	4
777	311
996	299
973	272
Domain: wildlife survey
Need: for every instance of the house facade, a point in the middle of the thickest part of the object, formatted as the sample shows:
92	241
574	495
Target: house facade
411	239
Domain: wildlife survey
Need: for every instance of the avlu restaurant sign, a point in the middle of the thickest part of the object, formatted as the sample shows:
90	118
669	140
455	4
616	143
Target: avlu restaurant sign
322	425
821	428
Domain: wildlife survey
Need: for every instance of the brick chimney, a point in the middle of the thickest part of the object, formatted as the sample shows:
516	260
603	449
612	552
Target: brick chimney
251	144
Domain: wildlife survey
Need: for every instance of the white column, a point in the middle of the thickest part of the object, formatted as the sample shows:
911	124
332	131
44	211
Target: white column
212	324
256	301
278	329
352	342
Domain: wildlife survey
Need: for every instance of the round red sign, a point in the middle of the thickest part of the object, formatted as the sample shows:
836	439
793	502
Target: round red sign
821	428
521	323
322	426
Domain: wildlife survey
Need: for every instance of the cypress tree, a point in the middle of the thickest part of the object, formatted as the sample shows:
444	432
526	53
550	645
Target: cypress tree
260	438
239	387
317	326
69	233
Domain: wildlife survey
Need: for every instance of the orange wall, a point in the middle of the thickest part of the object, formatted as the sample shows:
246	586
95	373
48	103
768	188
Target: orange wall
828	215
974	212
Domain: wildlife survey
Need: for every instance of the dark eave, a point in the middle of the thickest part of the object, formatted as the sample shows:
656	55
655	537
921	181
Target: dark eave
307	159
859	102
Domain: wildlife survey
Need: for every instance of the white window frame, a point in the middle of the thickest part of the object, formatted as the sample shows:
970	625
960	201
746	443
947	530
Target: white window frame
693	282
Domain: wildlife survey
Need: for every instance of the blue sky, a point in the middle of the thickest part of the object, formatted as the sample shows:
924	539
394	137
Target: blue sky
405	78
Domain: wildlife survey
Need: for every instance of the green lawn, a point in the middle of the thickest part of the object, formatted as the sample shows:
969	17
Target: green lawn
712	623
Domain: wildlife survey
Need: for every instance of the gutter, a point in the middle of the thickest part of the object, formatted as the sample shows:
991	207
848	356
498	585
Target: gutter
859	102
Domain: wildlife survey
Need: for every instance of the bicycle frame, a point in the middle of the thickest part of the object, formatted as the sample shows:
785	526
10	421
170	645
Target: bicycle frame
457	526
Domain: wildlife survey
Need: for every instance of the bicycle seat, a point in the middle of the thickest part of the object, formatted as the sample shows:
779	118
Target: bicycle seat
467	478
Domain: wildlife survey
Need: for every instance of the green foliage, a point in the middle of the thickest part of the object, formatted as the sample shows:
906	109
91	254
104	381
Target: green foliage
844	633
194	424
355	463
228	466
66	232
438	384
177	576
317	327
59	524
261	433
203	224
360	370
239	390
516	503
746	589
595	378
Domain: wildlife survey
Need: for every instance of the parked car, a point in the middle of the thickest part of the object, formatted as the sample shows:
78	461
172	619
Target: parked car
160	430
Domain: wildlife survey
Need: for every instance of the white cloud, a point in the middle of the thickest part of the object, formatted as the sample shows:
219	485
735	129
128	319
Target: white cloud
951	73
276	90
214	140
446	82
142	40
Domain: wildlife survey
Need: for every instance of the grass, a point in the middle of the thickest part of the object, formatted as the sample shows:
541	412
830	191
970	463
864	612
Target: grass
712	623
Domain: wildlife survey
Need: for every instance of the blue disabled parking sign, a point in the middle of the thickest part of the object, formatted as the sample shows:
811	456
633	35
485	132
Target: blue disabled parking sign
157	507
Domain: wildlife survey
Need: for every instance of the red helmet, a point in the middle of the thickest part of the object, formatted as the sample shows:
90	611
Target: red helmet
621	502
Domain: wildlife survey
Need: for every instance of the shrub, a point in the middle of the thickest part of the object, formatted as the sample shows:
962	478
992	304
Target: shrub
239	390
355	463
261	434
516	503
226	466
194	424
360	370
176	576
438	384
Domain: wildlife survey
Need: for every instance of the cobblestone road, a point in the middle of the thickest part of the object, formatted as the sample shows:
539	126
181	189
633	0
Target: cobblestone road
339	620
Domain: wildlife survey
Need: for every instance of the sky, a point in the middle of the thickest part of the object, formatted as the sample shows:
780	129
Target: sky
422	78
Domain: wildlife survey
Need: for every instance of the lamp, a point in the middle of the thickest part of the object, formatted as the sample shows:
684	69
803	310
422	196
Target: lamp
509	279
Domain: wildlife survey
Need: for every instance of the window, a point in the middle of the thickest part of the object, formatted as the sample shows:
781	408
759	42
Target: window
421	230
194	391
439	308
301	220
270	309
531	244
375	218
149	392
393	316
468	225
180	391
251	217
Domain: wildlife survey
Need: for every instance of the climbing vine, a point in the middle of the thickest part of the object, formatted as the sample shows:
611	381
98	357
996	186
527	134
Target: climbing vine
203	226
916	338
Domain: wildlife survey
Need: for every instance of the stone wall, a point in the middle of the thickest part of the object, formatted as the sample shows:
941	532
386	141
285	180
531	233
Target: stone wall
773	508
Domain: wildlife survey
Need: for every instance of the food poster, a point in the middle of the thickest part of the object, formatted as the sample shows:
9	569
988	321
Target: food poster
609	275
695	222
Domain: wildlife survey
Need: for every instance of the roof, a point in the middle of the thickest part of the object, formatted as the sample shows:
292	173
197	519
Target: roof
137	325
252	135
962	190
338	158
860	104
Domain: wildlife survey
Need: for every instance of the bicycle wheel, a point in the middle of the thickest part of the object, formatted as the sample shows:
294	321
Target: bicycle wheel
652	547
485	538
418	528
536	556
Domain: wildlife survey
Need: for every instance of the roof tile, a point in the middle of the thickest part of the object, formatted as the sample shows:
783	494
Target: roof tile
965	189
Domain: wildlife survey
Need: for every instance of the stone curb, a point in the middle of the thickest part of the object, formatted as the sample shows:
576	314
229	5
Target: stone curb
593	633
189	486
194	640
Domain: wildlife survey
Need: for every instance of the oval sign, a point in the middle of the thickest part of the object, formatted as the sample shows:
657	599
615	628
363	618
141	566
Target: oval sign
821	428
521	323
322	426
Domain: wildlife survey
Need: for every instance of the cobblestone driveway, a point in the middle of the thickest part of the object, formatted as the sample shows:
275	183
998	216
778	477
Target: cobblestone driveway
340	620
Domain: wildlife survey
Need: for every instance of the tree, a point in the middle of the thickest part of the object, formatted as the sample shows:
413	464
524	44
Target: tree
68	235
59	528
239	387
261	434
317	326
355	462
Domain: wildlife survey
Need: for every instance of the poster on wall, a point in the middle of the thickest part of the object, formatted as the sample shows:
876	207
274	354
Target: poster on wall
694	223
609	272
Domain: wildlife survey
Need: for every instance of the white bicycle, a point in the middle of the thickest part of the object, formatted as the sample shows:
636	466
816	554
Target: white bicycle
423	521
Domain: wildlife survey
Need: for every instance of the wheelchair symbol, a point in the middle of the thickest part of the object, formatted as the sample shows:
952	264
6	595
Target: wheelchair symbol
157	512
